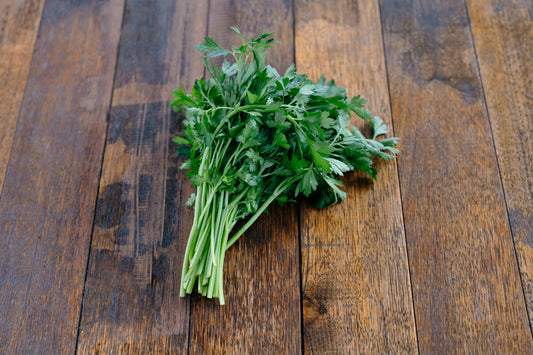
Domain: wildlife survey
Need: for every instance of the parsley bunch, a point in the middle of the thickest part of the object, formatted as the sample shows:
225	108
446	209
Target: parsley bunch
253	137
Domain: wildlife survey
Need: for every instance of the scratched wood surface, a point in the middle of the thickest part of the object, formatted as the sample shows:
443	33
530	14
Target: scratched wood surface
47	203
503	35
465	278
433	257
19	22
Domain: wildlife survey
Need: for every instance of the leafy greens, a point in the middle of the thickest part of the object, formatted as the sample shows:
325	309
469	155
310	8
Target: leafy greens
253	137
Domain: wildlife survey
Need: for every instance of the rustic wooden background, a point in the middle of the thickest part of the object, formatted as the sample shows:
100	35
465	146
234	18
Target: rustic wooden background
436	257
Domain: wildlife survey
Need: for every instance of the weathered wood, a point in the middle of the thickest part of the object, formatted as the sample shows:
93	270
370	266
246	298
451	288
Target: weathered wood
132	302
355	274
503	35
47	203
18	30
466	287
261	271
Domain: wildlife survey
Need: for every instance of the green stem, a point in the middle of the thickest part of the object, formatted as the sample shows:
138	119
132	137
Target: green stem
261	209
214	219
191	243
215	216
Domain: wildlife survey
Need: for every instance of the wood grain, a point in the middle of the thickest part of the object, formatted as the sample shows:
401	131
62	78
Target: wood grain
19	23
132	302
466	287
503	35
355	274
47	203
261	271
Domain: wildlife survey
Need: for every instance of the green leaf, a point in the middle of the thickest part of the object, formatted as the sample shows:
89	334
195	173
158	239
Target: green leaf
229	69
339	167
320	161
191	200
307	89
357	102
390	142
180	140
378	127
363	113
323	120
249	134
309	182
298	165
322	147
281	122
290	70
252	98
281	140
211	48
182	100
272	72
234	28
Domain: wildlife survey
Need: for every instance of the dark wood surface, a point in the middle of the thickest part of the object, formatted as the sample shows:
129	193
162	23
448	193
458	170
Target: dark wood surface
434	257
19	24
508	84
465	281
51	181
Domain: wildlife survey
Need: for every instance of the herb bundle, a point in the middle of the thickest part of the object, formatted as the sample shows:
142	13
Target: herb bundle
254	137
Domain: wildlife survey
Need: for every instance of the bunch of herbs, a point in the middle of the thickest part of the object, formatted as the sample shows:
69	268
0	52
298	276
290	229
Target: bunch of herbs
254	137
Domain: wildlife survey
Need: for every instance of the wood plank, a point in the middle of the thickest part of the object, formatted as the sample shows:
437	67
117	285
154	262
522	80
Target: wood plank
48	200
261	271
503	35
355	274
20	22
465	279
132	302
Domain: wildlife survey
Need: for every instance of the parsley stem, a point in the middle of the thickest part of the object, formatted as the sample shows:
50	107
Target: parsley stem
286	184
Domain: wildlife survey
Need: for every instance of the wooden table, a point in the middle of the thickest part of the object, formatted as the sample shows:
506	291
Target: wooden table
434	257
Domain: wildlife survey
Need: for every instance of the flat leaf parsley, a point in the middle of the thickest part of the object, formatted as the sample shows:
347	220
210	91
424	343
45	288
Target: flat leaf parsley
253	137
